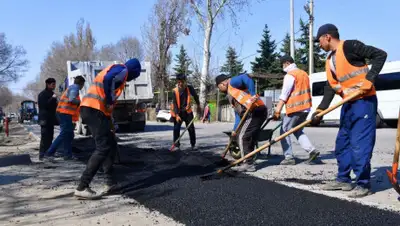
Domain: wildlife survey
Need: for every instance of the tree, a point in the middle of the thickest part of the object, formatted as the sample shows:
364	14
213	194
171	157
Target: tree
232	65
79	47
183	62
161	32
285	48
126	48
207	12
267	62
303	51
12	61
6	96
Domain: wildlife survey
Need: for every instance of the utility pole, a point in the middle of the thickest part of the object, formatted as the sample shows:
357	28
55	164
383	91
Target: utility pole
217	110
311	41
292	28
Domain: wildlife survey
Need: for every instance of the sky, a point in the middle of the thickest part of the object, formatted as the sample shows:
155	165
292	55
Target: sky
36	24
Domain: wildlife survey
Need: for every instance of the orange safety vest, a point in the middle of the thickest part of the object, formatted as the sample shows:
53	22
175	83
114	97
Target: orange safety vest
96	97
65	107
300	98
349	78
243	97
178	101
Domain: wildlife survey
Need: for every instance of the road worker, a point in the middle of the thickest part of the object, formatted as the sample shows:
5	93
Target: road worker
96	111
347	72
241	94
181	109
296	96
67	112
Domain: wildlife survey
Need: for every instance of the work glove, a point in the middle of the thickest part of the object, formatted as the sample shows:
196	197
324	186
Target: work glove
233	134
276	116
315	120
178	119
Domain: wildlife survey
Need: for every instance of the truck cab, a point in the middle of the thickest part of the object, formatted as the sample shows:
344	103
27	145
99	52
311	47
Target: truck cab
130	111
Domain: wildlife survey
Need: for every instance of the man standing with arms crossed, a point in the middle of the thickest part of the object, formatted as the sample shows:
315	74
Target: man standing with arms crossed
296	96
347	72
96	111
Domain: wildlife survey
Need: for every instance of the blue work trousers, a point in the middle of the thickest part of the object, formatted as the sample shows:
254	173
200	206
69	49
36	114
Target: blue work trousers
66	136
356	140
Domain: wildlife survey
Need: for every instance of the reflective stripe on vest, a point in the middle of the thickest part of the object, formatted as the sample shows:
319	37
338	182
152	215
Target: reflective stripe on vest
178	101
96	98
65	107
300	98
243	97
349	78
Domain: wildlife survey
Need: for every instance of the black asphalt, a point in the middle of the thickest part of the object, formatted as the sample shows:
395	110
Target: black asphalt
170	183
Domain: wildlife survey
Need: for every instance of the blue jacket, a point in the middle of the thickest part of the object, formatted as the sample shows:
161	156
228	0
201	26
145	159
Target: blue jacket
242	81
112	80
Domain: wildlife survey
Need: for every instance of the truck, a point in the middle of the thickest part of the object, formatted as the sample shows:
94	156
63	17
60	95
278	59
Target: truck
130	111
27	111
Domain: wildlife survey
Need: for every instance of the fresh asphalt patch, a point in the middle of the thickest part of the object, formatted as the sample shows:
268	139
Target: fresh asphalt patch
170	183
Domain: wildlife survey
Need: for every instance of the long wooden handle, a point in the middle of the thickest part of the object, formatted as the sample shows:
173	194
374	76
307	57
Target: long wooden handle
277	139
236	131
395	164
187	127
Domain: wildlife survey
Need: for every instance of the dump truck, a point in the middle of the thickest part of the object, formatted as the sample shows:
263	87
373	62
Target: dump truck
130	111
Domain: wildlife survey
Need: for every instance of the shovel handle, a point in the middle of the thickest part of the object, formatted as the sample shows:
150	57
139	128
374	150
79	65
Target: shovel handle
322	113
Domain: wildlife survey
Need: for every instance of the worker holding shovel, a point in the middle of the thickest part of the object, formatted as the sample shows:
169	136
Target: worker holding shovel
181	110
241	94
347	72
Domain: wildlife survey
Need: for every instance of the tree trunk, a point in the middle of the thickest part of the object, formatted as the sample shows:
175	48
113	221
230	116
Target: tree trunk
206	62
161	96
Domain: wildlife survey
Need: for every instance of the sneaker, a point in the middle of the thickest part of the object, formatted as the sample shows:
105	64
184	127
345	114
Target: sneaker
246	167
288	161
87	193
66	158
194	148
313	156
106	189
49	159
359	192
336	185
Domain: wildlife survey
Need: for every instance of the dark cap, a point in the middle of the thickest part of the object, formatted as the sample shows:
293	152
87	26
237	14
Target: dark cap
220	78
180	77
326	29
286	58
50	80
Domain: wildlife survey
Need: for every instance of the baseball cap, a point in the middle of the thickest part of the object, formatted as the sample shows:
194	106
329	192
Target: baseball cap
220	78
326	29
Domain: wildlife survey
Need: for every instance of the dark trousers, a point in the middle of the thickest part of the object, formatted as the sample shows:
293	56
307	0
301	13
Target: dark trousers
356	140
187	118
46	137
248	134
106	146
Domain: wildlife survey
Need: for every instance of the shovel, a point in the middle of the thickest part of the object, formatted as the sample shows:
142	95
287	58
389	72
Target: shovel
220	171
187	127
395	165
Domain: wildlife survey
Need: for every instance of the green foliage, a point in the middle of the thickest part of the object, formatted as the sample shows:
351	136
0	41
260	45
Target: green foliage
232	65
183	62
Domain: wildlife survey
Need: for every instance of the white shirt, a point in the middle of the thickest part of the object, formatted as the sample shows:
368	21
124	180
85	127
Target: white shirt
288	84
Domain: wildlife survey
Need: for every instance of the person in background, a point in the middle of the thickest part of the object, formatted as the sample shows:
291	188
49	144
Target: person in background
96	112
296	96
181	109
241	94
68	112
348	72
47	101
207	113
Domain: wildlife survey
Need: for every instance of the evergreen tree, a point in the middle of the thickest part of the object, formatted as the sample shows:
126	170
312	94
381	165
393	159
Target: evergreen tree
302	53
183	62
285	48
232	65
267	62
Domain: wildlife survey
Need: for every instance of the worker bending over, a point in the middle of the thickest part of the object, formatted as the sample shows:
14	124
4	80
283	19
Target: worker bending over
347	72
67	112
296	96
96	111
181	109
241	94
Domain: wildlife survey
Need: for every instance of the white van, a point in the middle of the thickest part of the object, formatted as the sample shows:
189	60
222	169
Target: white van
387	85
